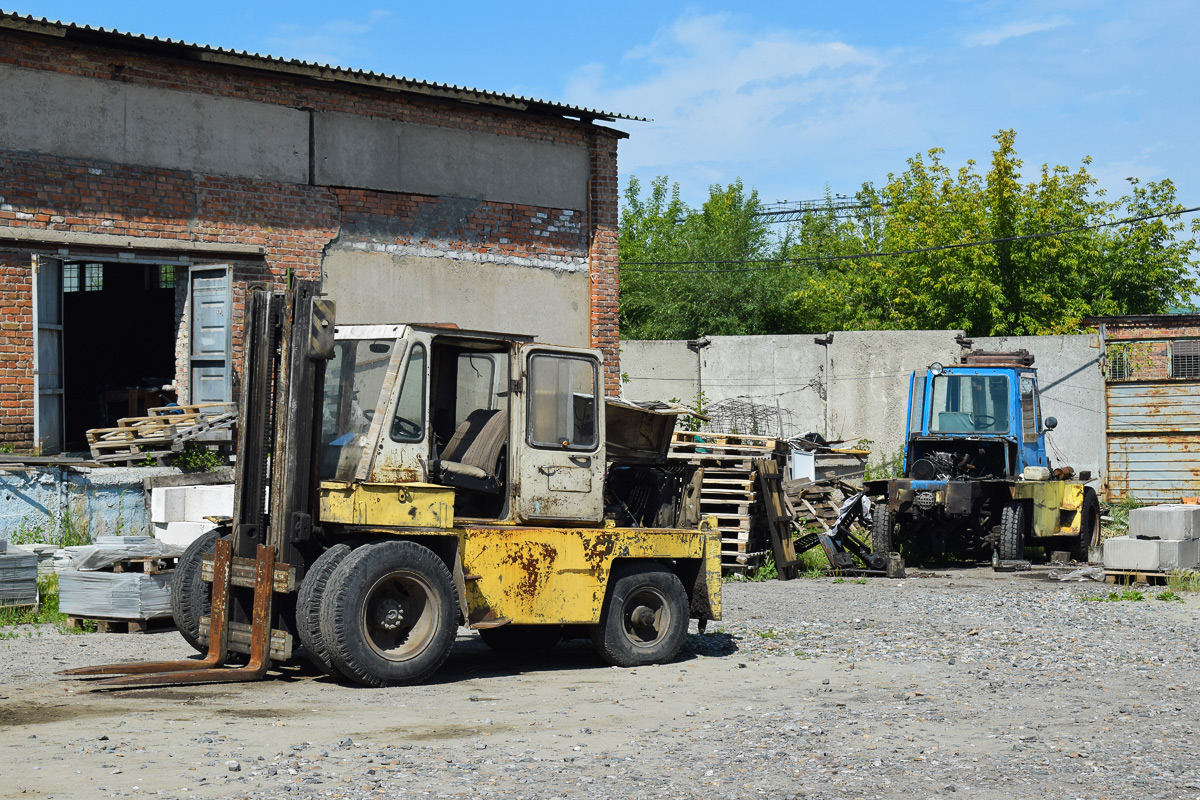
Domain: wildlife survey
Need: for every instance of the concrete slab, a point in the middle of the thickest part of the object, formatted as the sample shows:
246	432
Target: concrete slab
208	501
1166	521
1151	555
180	533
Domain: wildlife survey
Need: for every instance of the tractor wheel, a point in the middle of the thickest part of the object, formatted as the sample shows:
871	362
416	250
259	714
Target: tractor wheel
1014	523
308	607
645	617
519	639
1089	525
883	530
191	598
388	617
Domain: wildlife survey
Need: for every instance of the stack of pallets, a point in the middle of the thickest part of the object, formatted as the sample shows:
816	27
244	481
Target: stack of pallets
133	595
162	432
729	491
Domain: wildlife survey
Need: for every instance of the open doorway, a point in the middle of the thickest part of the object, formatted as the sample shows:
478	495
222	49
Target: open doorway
119	324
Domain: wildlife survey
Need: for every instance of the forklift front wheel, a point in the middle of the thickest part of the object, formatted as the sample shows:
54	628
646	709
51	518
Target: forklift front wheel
190	596
644	619
308	607
388	614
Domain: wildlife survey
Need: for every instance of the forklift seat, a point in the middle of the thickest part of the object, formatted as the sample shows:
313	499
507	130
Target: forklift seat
472	459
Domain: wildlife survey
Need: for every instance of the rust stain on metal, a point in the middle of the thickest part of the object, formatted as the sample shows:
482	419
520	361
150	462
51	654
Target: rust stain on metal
534	562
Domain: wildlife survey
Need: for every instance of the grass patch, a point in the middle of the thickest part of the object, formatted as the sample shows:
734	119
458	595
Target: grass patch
1128	593
1183	581
1118	513
46	613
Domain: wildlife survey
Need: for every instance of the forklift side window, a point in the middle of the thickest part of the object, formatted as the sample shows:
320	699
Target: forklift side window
408	424
562	402
969	404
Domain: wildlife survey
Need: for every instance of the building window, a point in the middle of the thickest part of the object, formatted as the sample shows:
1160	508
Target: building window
93	277
70	277
166	276
1185	359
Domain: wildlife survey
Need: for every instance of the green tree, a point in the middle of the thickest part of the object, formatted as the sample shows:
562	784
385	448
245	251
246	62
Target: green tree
931	275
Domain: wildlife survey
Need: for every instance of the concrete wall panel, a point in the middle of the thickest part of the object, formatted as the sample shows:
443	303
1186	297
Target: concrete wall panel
784	372
662	370
133	124
395	156
378	288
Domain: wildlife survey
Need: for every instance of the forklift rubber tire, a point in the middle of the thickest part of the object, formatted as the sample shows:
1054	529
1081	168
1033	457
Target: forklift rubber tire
883	530
519	639
1089	525
645	616
1014	524
389	614
191	598
308	607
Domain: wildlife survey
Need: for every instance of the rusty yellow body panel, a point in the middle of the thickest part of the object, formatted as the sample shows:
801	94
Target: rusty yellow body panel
407	505
559	575
1057	506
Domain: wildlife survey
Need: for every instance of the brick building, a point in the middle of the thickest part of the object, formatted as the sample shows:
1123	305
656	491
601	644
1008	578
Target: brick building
145	183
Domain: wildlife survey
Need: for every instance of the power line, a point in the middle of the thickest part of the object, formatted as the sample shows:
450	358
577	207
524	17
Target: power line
788	263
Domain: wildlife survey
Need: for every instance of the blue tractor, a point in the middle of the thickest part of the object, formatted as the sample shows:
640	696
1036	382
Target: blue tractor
976	477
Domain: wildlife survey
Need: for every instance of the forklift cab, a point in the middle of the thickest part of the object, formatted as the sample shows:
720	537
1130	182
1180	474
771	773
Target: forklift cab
515	427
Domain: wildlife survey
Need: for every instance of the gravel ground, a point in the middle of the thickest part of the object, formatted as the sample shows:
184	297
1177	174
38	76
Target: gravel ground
957	683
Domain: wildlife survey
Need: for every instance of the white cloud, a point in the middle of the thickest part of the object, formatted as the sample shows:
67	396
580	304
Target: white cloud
722	98
1013	30
336	42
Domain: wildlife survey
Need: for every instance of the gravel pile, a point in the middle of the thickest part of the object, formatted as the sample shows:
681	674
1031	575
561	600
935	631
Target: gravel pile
957	683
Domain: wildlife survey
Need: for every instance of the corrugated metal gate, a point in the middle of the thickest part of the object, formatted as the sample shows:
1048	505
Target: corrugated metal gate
1153	425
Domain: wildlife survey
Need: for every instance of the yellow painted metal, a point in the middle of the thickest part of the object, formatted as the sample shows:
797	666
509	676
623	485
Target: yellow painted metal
1057	506
559	575
405	505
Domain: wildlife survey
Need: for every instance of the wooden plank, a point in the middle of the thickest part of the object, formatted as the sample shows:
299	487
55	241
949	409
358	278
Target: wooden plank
779	518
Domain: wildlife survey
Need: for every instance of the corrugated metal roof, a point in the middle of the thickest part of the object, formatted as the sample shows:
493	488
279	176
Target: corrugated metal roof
323	72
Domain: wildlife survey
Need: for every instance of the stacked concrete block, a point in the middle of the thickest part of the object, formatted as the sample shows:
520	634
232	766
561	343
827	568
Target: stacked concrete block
1161	539
18	577
114	595
178	512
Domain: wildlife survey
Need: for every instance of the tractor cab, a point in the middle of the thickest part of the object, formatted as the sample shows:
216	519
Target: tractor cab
979	420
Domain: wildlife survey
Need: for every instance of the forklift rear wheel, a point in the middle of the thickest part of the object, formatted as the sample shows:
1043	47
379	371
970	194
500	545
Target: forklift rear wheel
644	619
1014	524
308	607
388	614
191	597
883	530
521	638
1089	525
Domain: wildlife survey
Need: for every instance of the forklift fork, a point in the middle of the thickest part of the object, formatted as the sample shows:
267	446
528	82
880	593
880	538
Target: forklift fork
208	669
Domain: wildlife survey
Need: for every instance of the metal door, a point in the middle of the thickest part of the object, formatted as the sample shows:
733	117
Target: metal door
49	355
561	462
210	356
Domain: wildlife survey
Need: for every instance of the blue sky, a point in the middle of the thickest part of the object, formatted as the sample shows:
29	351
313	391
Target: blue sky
790	97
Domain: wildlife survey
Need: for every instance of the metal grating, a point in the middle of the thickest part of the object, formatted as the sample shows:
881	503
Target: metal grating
1185	359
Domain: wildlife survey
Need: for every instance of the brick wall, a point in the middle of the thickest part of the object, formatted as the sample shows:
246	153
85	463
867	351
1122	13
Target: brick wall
294	224
602	256
16	351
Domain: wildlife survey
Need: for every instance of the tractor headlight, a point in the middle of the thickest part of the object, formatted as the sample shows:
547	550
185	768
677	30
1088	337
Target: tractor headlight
936	368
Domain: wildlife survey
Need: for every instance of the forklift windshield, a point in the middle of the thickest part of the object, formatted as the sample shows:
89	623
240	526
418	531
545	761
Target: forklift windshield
969	404
353	384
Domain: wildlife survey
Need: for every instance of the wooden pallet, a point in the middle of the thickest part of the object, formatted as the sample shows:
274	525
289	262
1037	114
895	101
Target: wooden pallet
152	625
162	432
1125	577
148	565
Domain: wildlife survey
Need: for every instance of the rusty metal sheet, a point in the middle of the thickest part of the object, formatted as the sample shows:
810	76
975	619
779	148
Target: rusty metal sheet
1154	440
409	505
